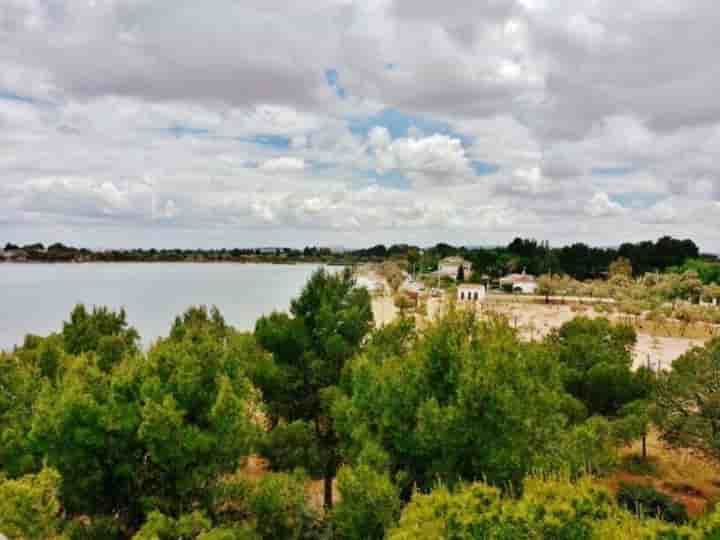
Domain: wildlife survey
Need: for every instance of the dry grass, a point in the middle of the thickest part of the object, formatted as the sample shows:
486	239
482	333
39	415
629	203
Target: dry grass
680	473
696	330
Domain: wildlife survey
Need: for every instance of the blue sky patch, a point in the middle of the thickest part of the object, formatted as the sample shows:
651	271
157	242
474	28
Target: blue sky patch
637	200
392	179
11	96
333	80
611	171
179	130
278	142
322	166
399	124
483	168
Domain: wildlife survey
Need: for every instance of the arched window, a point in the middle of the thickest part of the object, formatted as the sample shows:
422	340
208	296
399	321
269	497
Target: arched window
476	295
462	295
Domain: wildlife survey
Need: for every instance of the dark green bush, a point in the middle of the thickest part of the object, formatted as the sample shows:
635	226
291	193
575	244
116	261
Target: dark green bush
646	500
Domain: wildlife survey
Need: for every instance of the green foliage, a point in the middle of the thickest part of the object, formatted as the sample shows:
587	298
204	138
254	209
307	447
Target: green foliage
272	507
621	267
646	500
708	272
29	506
597	359
329	320
20	383
369	504
101	331
46	354
197	323
96	527
688	400
291	445
587	447
278	504
550	509
161	527
158	429
467	401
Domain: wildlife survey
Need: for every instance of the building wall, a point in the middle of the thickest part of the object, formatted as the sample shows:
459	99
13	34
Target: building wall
526	287
465	294
451	270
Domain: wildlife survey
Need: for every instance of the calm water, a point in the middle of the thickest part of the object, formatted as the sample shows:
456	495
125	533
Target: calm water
37	298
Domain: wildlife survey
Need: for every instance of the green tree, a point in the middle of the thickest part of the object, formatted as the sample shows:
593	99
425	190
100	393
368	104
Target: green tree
310	348
549	509
101	331
461	273
369	504
597	360
274	506
688	400
29	506
621	267
20	384
468	400
155	432
161	527
546	286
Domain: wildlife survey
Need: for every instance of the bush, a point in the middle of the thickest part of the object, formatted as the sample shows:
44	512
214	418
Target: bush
646	500
369	504
95	528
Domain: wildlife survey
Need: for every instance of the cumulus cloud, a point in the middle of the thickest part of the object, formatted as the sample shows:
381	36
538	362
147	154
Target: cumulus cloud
429	160
601	206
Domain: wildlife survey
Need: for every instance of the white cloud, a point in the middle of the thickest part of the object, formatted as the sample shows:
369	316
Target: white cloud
436	159
283	165
602	206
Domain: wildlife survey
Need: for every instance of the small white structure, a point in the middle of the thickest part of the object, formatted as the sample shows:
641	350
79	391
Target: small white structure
449	267
471	292
524	283
373	283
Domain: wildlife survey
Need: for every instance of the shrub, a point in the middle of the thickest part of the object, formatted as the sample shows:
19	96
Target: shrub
646	500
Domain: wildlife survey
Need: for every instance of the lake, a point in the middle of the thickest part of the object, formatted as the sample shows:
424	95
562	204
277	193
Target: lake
37	298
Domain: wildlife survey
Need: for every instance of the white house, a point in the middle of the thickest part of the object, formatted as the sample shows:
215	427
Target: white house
524	283
449	267
470	292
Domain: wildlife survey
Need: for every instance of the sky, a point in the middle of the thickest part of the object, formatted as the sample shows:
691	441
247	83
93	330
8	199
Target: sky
236	123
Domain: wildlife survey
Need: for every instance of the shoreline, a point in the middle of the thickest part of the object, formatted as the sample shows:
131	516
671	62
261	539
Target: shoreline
161	261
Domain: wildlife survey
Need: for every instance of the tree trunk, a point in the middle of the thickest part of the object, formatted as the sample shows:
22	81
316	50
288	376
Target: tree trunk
644	447
328	497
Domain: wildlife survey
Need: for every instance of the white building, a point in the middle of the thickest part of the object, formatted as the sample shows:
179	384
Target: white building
449	267
471	292
524	283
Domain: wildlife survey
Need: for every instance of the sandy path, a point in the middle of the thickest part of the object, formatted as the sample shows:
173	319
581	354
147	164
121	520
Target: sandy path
660	352
384	310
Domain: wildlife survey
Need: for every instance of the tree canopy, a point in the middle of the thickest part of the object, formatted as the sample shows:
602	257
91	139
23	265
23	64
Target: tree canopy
310	348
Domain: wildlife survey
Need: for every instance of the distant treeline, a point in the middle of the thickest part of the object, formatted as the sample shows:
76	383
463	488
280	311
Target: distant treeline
536	257
578	260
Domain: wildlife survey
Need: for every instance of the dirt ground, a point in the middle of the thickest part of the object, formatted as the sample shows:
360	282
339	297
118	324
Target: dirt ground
685	476
535	321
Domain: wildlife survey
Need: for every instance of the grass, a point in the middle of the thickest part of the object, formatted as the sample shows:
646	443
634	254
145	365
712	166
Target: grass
683	475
